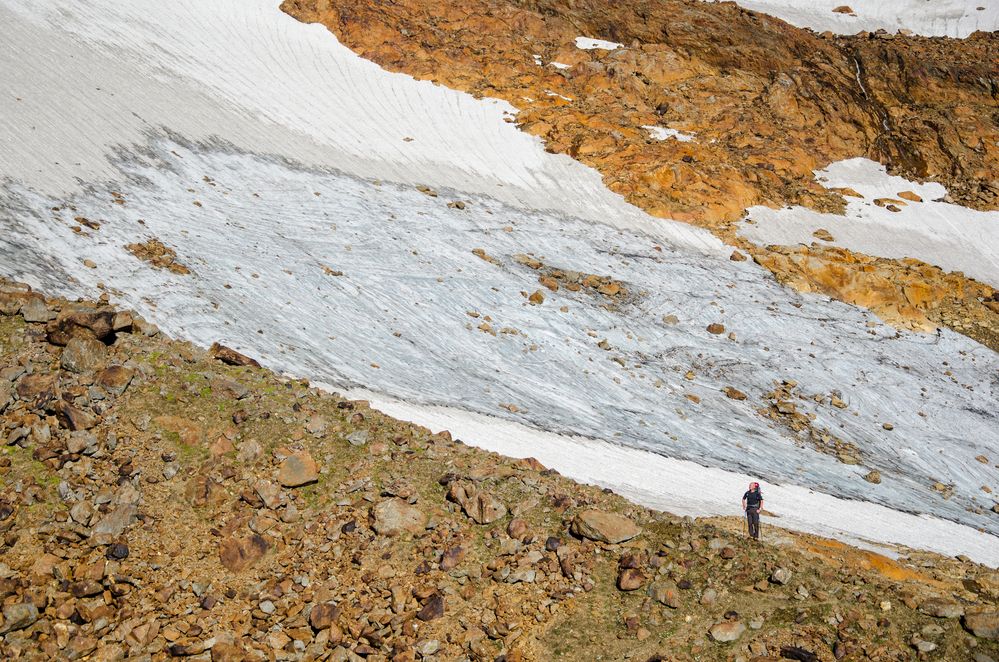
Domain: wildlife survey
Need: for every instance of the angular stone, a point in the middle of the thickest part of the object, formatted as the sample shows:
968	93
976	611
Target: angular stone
392	517
942	608
18	616
237	554
323	615
630	579
37	390
72	417
298	469
268	492
665	592
983	624
432	609
84	354
604	527
119	519
96	324
480	505
230	356
115	379
36	311
726	631
781	576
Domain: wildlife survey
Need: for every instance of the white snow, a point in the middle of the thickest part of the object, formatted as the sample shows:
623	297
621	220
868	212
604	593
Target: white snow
589	44
950	236
934	18
678	486
560	65
295	150
663	133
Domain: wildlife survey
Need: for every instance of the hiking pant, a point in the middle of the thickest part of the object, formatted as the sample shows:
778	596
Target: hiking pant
753	518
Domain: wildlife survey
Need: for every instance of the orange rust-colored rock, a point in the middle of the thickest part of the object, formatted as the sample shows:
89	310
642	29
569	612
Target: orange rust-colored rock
767	102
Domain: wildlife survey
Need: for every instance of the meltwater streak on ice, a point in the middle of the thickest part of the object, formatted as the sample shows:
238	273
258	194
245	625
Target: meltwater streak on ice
147	99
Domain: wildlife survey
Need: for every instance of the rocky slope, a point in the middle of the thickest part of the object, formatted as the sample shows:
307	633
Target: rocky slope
163	501
766	104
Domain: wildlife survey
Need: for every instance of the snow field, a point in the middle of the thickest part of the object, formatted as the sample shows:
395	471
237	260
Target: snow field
952	237
296	153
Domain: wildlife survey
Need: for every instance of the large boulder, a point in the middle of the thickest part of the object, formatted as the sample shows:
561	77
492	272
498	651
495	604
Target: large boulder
237	554
298	469
392	517
604	527
984	624
942	608
84	354
96	324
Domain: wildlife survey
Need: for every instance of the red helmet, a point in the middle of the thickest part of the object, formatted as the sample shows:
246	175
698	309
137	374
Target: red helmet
754	486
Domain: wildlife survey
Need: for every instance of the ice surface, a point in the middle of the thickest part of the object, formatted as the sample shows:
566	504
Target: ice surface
933	18
295	151
950	236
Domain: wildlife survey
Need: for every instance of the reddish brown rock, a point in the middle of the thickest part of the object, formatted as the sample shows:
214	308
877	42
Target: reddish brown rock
238	554
298	469
604	527
230	356
630	579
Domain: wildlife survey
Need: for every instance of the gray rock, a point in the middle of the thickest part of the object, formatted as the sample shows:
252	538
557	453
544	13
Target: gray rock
358	438
604	527
726	631
392	517
80	441
18	616
942	608
84	354
119	519
526	575
781	576
35	310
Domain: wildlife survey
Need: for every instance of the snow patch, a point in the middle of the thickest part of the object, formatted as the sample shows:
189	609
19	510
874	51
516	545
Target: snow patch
950	236
678	486
663	133
940	18
589	44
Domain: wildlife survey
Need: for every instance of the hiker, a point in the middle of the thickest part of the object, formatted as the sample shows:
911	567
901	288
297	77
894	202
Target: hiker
752	503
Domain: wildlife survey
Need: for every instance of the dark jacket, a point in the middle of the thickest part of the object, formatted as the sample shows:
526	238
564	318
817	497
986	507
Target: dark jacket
753	498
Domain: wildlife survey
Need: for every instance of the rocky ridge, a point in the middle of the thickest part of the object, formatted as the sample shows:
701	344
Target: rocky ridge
765	102
163	501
